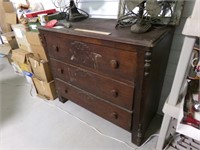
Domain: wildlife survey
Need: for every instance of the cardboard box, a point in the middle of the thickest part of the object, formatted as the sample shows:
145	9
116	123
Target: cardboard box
24	46
41	69
21	56
4	49
11	18
20	35
39	51
16	68
45	89
8	7
33	38
9	38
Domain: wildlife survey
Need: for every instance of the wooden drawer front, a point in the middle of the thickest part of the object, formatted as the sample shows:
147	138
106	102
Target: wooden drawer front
95	104
110	61
106	88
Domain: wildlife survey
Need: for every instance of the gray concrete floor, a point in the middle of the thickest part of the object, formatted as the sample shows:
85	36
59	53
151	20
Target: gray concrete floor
31	123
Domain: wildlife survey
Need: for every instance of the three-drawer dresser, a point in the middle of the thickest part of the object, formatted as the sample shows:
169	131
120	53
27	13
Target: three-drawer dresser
110	71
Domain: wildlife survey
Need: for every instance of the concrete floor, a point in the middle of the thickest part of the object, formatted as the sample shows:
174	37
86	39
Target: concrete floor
31	123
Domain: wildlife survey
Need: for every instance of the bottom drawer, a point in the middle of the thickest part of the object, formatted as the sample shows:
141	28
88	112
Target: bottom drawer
106	110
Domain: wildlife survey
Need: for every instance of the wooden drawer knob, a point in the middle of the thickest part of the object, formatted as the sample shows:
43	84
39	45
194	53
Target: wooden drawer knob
114	64
56	48
66	91
114	115
60	70
114	93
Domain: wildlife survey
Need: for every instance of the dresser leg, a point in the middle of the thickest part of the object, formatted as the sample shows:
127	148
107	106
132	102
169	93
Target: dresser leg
62	99
137	136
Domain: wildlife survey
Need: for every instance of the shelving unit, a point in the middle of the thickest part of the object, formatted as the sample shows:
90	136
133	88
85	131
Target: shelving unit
171	108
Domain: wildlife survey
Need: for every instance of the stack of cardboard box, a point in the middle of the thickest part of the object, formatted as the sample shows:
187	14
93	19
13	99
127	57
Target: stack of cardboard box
5	27
28	57
31	59
7	37
9	43
10	13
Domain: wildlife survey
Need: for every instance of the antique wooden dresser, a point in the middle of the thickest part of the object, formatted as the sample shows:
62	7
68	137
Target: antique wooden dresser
117	76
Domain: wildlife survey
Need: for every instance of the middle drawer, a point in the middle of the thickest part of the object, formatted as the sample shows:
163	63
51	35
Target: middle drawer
111	90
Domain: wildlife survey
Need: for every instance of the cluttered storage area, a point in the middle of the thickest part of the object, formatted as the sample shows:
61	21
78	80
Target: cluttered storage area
110	66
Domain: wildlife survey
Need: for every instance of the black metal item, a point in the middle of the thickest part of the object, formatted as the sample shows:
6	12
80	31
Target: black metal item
74	15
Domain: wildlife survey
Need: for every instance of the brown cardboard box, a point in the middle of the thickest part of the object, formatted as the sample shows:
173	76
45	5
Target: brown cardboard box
21	57
16	68
4	49
8	7
33	38
9	38
11	18
36	45
20	35
4	26
39	50
41	69
45	89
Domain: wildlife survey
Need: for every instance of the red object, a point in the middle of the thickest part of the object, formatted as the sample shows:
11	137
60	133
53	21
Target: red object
36	13
191	121
51	23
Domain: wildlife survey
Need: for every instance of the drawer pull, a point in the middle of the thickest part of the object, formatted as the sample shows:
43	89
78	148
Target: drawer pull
60	70
114	64
114	93
66	91
114	115
56	48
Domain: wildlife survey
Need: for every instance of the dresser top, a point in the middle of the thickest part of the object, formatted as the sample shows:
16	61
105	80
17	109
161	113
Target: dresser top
148	39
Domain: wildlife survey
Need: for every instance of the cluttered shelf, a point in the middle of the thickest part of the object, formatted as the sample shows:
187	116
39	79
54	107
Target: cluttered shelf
184	128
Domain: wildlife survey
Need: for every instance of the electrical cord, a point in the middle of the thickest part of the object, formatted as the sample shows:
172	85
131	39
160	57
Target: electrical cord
87	124
98	131
66	6
171	140
58	4
127	19
68	9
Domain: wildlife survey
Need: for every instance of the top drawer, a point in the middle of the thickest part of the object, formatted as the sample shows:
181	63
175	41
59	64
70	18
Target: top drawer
116	63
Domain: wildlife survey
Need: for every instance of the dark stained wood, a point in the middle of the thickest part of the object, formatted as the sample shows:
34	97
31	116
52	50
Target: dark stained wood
94	57
115	114
122	35
119	76
152	85
62	99
106	88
